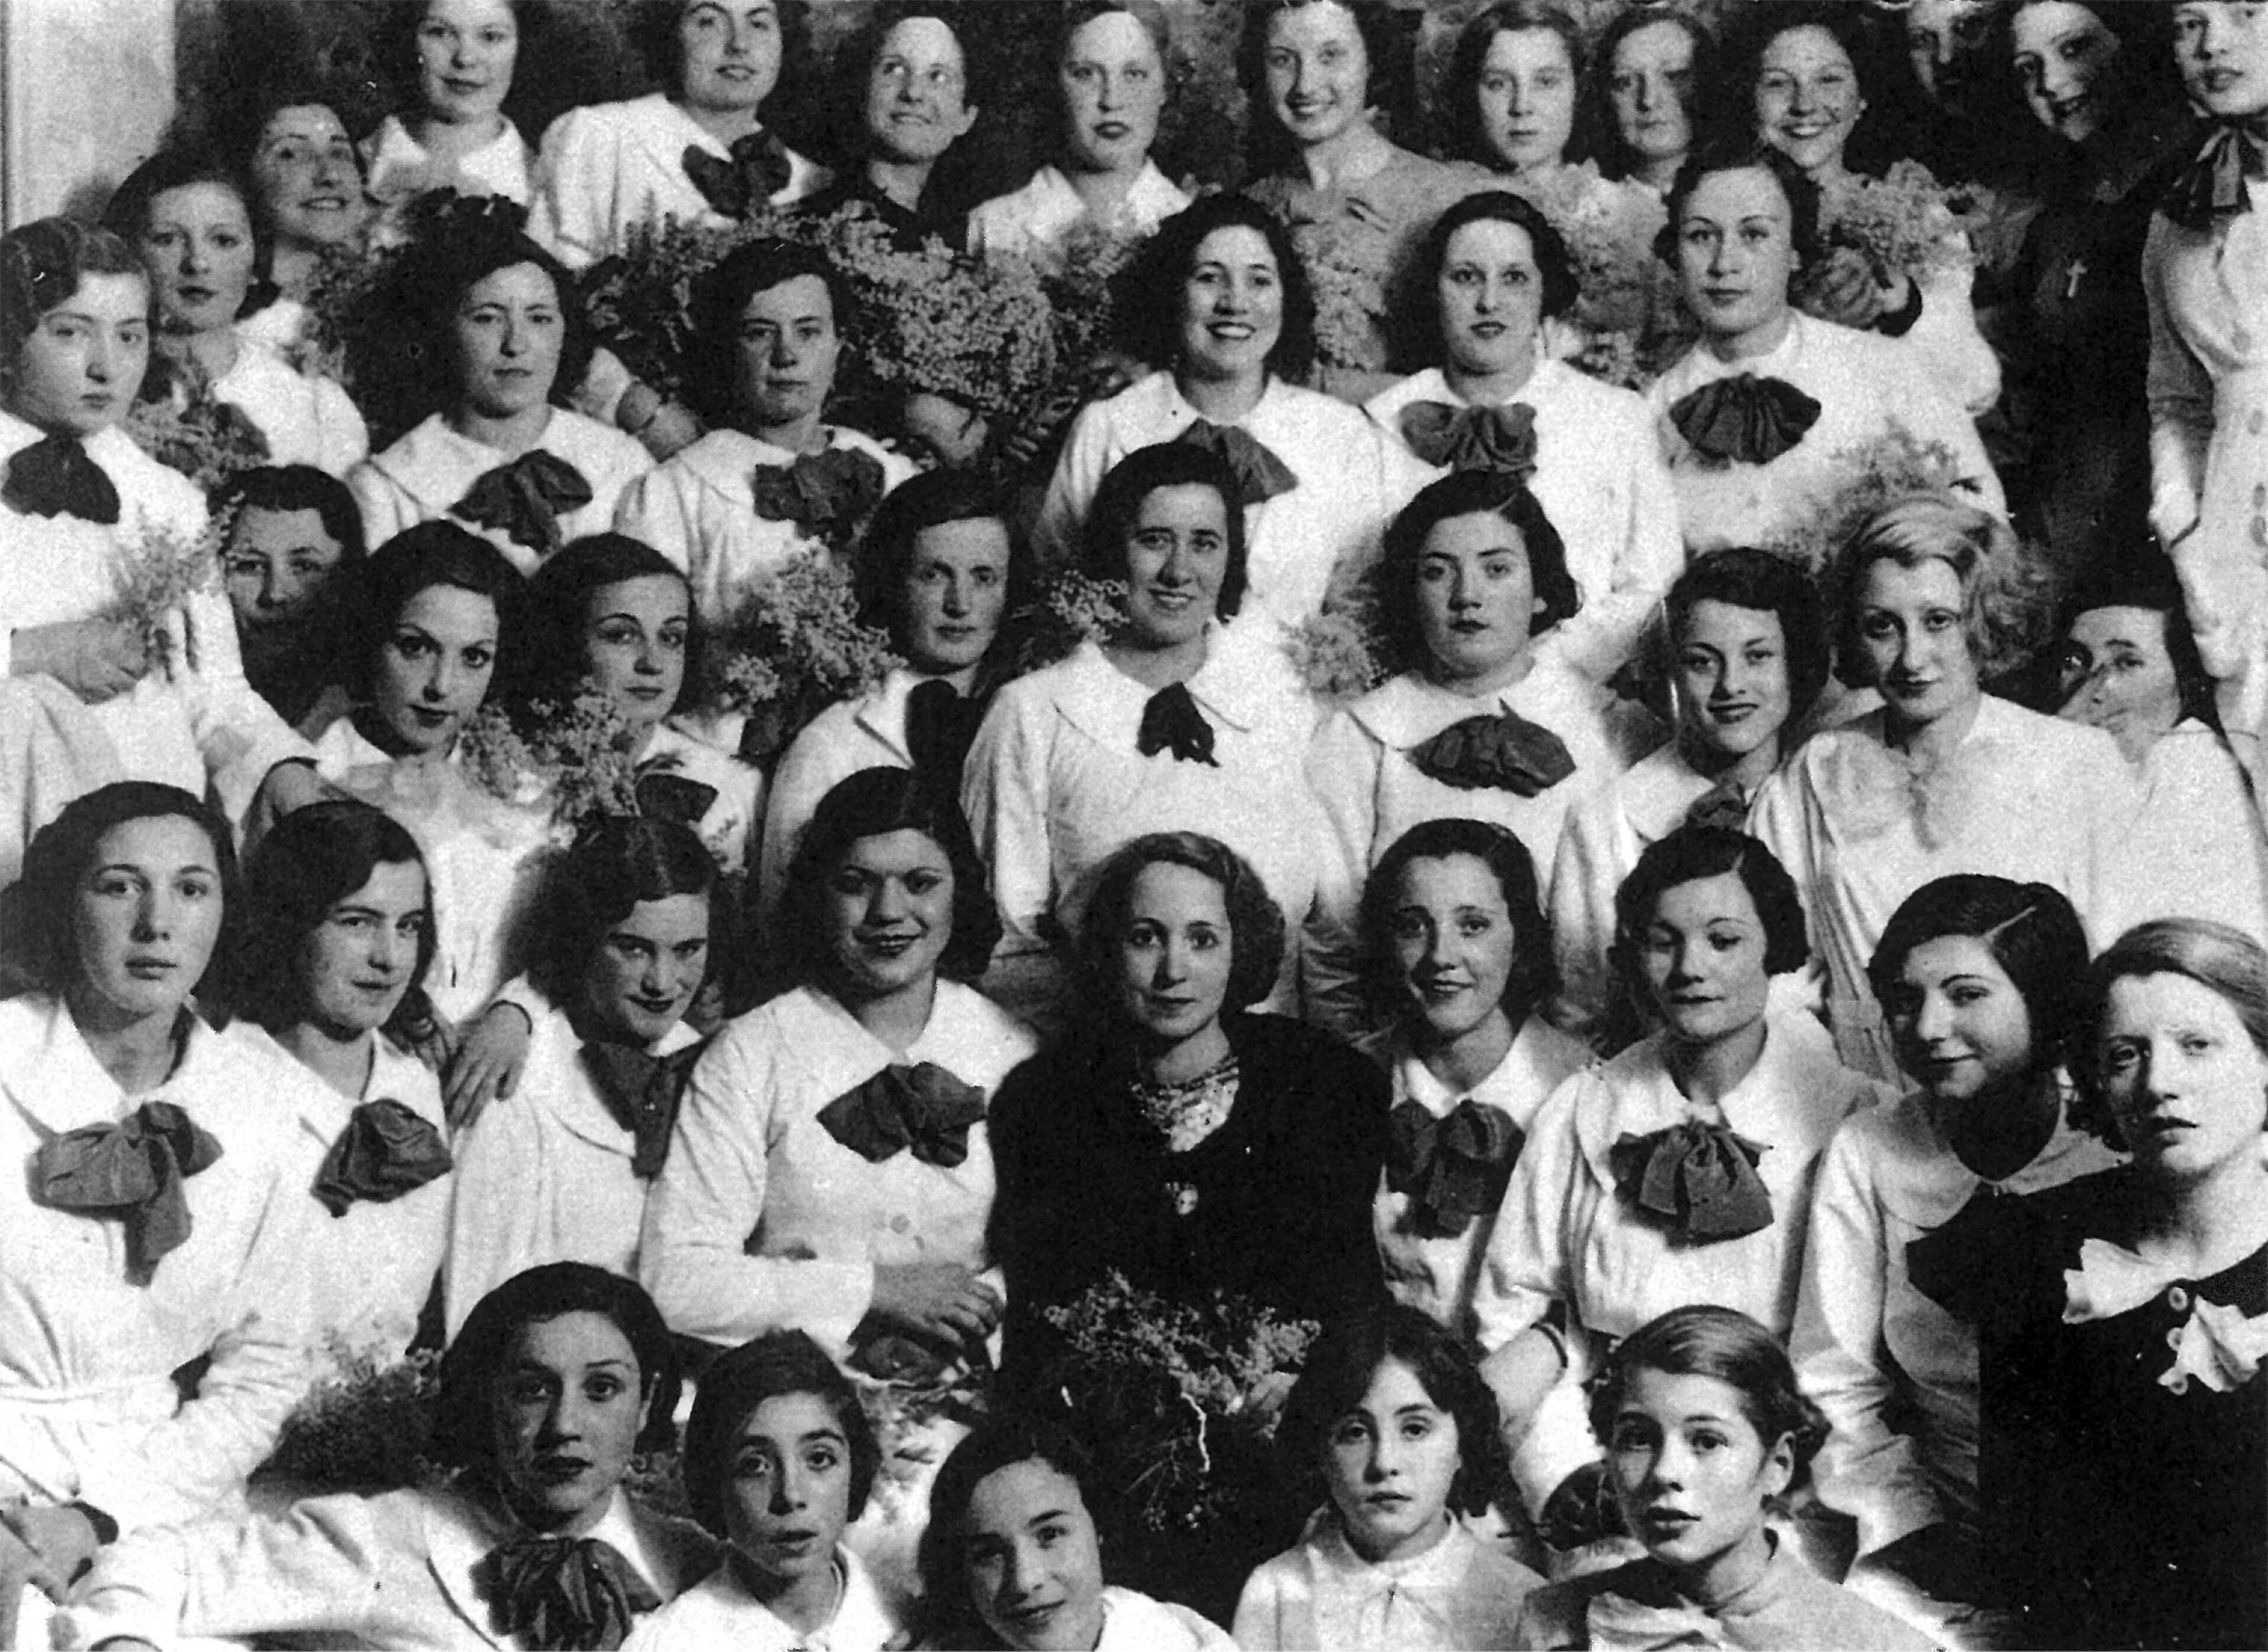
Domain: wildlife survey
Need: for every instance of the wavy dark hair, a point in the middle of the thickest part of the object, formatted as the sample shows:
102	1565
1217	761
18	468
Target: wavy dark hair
1255	923
1462	134
931	499
416	360
41	264
653	34
1534	977
2031	931
1118	503
1742	576
438	552
720	296
1691	854
1467	493
2224	961
1422	311
1613	158
616	863
1389	42
1875	141
127	214
1150	312
2147	581
1743	155
731	1388
1727	1346
559	601
287	487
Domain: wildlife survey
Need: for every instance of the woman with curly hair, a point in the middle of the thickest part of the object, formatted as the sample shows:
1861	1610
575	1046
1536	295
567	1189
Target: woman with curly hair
1514	92
1652	67
459	59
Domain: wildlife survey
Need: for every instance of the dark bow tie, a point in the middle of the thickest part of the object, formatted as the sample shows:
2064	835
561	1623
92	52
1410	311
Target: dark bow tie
1952	1263
55	477
1500	440
643	1091
940	726
527	498
662	795
1260	475
133	1170
1501	750
922	1107
1697	1179
1744	419
757	170
573	1593
829	493
1453	1168
2212	187
1172	722
1721	805
386	1151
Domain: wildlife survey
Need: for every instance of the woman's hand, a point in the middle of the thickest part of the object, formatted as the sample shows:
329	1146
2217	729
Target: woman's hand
491	1054
425	1032
1841	287
98	659
46	1549
940	1300
673	429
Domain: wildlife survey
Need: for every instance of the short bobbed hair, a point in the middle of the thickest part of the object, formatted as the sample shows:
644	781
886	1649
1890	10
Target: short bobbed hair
1615	159
464	1429
1692	853
559	600
874	803
1740	576
2147	580
720	298
1553	261
616	863
41	264
416	559
1874	142
2031	931
1118	504
1743	154
2225	960
931	499
2003	594
288	488
1255	923
652	33
127	214
1533	979
1151	307
778	1363
1468	493
1727	1346
1381	49
1459	91
473	242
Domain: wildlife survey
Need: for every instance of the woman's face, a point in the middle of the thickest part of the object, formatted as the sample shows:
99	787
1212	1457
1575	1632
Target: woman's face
1318	71
1455	944
1961	1026
1689	1469
1807	96
2118	676
953	593
1944	40
1649	84
1232	306
889	906
1476	597
1916	641
2221	46
2187	1085
1526	97
146	916
508	330
362	957
788	352
2063	57
1702	959
1175	953
1114	91
196	243
1731	679
1490	292
1033	1560
309	180
787	1491
1176	559
648	967
78	370
918	102
634	636
728	53
434	669
278	566
1737	253
466	50
567	1403
1388	1465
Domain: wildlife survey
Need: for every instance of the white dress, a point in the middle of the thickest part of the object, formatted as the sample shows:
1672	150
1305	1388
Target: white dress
1336	515
698	509
1371	793
761	1221
88	1408
720	1614
306	419
2198	840
728	827
609	168
2025	797
1566	1235
1463	1595
425	474
1895	1372
544	1174
1034	221
1600	480
1867	386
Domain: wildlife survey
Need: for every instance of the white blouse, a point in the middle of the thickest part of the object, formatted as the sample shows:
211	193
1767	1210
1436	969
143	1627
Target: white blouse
867	732
307	419
607	168
728	827
2198	839
428	472
1136	1623
698	509
1600	480
397	169
761	1221
721	1614
1034	220
88	1408
1463	1595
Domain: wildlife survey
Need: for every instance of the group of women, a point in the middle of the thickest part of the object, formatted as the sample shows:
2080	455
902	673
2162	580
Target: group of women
1712	938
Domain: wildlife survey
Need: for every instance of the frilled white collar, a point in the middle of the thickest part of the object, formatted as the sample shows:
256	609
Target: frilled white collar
1410	709
1106	705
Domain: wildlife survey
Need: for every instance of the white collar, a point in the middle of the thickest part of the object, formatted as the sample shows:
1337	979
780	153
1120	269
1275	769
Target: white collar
1657	790
1103	702
323	1113
55	1077
1410	709
1509	1084
463	1527
573	1098
726	458
1790	1103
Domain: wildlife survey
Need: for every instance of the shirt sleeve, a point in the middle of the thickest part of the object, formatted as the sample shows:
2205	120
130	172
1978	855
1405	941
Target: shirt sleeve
1342	770
1072	489
1945	337
344	439
1004	790
573	209
1649	554
653	511
495	1216
239	735
1583	876
1259	1624
386	509
2180	391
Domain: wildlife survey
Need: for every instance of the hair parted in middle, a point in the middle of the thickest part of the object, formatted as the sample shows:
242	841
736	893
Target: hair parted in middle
616	863
1533	977
1131	481
1255	923
735	1383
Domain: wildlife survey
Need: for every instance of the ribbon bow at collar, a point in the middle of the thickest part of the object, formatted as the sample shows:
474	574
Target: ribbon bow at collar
1618	1623
1696	1178
941	724
1744	419
1172	722
525	498
643	1091
2212	187
1260	475
576	1593
1453	1168
827	493
662	795
757	170
922	1107
1722	806
55	477
2219	1348
132	1170
1500	440
1503	750
386	1151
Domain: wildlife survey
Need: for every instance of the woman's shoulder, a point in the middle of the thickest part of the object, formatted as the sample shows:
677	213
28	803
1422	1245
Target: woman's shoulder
592	124
158	495
1558	391
970	1020
1277	1047
582	440
1136	1623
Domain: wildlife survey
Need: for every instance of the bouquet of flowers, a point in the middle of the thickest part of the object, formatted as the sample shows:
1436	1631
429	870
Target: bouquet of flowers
1071	607
160	573
1902	221
190	430
796	645
1340	652
367	1425
574	759
1351	306
640	301
1866	475
1629	311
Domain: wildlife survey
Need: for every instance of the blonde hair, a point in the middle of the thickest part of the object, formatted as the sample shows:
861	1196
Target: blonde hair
2006	603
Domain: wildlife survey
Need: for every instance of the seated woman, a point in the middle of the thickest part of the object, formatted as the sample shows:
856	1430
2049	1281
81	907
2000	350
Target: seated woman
1649	68
1930	598
1756	419
293	553
1174	724
1493	271
457	58
773	478
1227	309
338	927
1680	1172
495	342
906	73
1111	80
189	215
1477	722
558	1378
